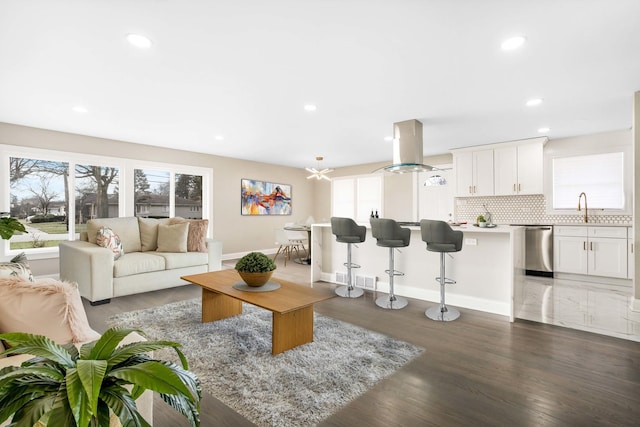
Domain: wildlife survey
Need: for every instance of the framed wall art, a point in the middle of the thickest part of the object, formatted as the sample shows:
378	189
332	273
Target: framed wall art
265	198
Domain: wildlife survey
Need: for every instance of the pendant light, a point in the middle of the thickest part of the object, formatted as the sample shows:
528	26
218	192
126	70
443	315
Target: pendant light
319	173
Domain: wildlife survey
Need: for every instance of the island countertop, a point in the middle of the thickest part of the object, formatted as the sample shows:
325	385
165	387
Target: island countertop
485	269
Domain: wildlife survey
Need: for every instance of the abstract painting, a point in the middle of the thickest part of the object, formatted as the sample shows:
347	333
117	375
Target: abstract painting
265	198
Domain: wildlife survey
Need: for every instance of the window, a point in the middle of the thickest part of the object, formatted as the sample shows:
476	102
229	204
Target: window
96	193
188	199
152	190
599	176
55	193
39	199
356	197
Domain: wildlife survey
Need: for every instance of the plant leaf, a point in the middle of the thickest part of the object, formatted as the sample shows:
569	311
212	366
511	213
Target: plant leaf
122	404
153	375
38	345
91	373
78	399
33	410
103	348
127	351
183	406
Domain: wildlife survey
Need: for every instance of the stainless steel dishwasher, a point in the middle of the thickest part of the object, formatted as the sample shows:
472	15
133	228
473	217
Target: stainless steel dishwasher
539	250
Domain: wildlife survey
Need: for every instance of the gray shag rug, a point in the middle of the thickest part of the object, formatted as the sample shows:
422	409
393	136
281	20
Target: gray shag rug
300	387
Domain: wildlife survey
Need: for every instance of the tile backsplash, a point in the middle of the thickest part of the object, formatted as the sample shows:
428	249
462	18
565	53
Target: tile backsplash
526	210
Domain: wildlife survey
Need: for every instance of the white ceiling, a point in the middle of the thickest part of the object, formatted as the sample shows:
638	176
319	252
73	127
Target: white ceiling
245	69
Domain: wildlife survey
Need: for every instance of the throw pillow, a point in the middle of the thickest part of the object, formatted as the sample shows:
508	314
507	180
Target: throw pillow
196	239
172	237
45	307
149	232
107	238
17	267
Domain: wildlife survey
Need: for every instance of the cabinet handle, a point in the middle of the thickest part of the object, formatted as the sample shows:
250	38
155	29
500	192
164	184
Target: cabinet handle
514	188
518	188
474	189
591	246
584	246
632	248
470	192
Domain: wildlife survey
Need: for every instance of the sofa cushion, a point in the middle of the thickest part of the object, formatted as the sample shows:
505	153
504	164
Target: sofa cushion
136	263
173	237
196	239
187	259
107	238
125	227
17	267
45	307
149	232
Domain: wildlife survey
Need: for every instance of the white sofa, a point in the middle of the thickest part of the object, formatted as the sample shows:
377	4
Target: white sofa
144	267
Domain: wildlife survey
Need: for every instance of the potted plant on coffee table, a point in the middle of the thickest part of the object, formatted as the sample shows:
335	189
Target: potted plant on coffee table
64	386
255	268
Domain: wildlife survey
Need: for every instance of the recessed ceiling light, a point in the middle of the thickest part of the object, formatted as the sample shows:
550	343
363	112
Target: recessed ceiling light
513	43
388	138
80	109
543	130
139	40
219	137
310	107
533	102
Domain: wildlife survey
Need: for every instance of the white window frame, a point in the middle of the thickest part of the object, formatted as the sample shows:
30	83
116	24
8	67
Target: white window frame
125	167
358	213
588	148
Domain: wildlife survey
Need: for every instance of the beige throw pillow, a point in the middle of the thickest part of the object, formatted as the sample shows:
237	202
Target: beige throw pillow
173	238
197	238
45	307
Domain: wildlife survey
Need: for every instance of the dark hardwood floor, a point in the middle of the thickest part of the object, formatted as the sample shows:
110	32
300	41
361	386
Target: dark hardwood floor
478	370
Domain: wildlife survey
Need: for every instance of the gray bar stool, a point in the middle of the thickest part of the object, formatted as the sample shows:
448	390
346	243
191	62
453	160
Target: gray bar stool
390	235
439	237
347	231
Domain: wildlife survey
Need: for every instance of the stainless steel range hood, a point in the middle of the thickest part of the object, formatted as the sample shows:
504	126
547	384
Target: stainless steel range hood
407	148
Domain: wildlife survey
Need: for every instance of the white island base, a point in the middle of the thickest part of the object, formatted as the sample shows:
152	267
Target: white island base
485	270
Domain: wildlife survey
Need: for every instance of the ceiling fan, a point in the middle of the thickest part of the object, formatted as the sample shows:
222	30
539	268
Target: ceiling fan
319	173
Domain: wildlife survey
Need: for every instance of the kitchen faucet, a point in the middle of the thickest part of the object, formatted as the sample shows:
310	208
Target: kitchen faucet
585	205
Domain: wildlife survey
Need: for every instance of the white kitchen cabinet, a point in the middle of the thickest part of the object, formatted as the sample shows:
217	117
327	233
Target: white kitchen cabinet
589	309
474	173
631	262
518	169
596	251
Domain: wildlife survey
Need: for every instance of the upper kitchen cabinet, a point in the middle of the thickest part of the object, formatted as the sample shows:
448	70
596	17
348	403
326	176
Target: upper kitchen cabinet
518	168
474	172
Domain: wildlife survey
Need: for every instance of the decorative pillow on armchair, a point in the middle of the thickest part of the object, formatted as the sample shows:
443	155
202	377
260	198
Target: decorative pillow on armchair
107	238
45	307
17	267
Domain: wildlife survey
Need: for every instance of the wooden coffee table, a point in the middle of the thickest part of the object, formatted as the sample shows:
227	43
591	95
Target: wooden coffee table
291	305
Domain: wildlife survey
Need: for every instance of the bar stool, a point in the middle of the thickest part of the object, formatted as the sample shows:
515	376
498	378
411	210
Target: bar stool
347	231
390	235
439	237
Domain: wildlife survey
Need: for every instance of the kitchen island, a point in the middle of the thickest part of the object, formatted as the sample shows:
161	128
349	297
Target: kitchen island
486	269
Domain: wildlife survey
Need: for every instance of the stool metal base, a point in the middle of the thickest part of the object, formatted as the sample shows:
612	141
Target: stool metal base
442	314
345	292
391	302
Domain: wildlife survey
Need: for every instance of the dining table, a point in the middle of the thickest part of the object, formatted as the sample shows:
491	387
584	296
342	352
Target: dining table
307	228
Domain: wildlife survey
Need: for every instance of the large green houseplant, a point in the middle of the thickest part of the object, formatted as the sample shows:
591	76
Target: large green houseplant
62	386
9	226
